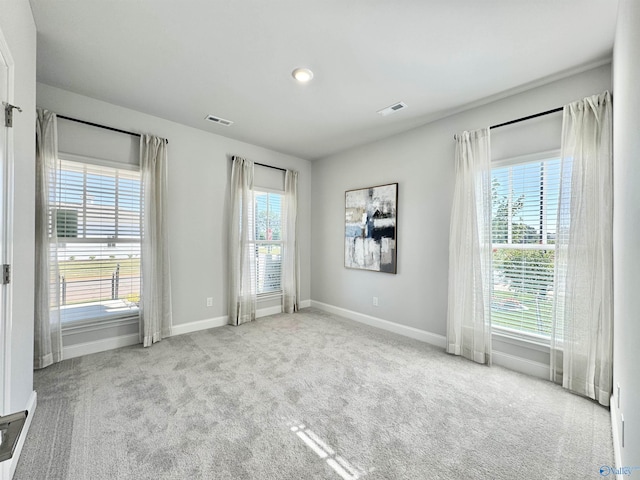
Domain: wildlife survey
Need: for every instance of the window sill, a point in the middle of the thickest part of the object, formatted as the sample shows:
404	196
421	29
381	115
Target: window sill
269	296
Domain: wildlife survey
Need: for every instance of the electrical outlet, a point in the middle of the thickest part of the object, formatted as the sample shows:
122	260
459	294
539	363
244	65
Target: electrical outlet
209	301
375	301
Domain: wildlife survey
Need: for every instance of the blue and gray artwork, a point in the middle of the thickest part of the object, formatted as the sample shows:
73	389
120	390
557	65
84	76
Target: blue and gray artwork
370	228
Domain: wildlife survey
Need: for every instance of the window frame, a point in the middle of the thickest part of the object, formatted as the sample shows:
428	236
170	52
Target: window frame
513	335
80	326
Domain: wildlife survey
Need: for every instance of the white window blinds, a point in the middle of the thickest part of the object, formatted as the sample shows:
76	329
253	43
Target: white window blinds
96	219
524	214
269	245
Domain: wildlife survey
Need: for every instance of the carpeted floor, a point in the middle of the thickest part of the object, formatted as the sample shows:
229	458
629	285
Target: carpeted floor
304	396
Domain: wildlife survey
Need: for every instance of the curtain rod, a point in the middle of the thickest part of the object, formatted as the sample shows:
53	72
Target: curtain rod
262	164
101	126
270	166
522	119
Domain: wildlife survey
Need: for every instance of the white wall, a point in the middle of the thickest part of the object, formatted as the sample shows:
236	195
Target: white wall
19	31
422	162
199	172
626	229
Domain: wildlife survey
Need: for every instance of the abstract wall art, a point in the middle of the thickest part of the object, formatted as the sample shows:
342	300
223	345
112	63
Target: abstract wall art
370	228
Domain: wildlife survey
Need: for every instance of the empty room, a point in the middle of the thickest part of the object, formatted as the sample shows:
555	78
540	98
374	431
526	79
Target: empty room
319	240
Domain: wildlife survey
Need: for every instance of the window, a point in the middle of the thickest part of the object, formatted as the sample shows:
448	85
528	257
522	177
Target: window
268	248
524	212
96	217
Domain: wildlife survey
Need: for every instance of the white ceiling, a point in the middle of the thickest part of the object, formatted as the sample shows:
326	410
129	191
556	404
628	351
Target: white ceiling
182	60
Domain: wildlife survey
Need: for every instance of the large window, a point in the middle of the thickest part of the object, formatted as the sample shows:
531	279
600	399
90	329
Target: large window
268	212
96	217
525	203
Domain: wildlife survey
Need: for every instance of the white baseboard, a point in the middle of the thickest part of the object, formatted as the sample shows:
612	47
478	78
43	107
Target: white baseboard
87	348
205	324
615	422
522	365
208	323
415	333
511	362
224	320
11	465
265	312
304	304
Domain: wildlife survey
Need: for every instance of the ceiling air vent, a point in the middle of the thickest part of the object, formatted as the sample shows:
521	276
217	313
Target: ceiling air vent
392	109
218	120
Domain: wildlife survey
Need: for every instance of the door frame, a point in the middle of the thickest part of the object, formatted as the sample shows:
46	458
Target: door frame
6	238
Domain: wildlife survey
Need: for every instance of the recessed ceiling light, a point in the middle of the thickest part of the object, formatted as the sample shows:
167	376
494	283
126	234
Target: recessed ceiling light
303	75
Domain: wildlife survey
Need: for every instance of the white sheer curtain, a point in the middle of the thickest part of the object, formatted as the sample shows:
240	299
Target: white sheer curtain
47	332
583	309
290	264
469	313
242	231
155	308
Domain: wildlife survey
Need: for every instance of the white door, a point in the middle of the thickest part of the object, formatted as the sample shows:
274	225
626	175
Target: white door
4	145
6	182
6	156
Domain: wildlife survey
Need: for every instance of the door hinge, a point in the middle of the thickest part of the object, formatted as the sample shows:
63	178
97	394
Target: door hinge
8	114
6	274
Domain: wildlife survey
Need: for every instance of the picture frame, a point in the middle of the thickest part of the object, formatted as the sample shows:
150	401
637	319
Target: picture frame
370	232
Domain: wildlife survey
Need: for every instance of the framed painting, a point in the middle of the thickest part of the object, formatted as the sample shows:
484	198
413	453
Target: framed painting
370	228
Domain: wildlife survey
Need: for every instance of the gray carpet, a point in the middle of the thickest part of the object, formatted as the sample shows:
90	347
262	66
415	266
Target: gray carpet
304	396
